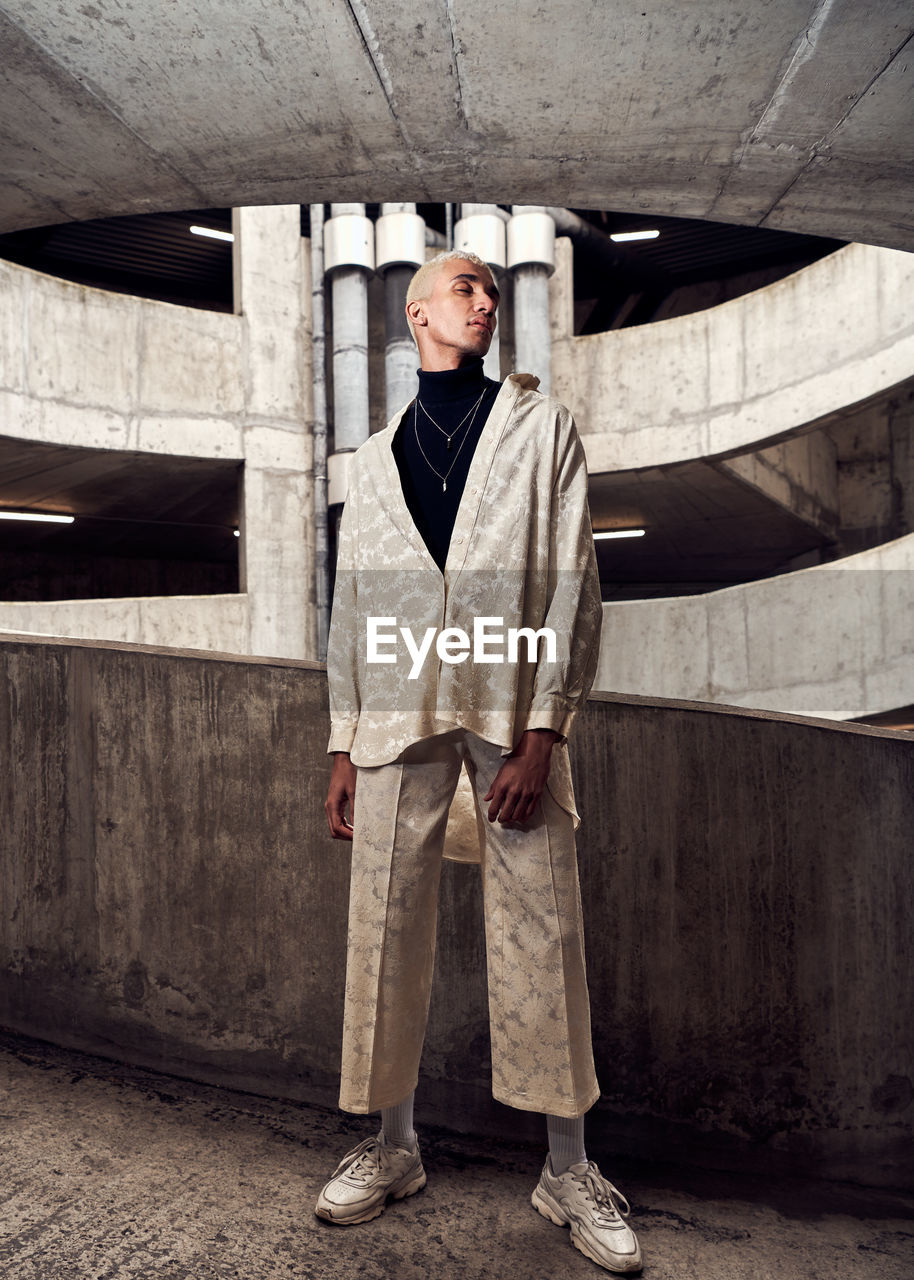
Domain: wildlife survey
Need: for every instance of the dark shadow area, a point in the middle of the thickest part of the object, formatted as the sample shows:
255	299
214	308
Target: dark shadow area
144	524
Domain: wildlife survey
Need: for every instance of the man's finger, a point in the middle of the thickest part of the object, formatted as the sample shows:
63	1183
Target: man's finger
511	807
340	829
335	809
497	802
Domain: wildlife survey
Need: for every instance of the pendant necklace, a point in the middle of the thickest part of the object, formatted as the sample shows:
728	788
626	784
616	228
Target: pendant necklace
443	478
449	438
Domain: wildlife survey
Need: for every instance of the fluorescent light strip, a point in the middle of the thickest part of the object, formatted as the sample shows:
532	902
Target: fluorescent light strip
213	233
619	533
37	516
621	236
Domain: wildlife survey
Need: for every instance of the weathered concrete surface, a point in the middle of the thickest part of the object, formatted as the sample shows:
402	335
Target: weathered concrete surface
111	1171
834	640
799	474
743	374
87	367
273	294
875	448
213	622
798	111
171	897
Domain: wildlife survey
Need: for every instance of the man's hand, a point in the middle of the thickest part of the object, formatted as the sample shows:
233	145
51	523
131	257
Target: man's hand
340	794
519	783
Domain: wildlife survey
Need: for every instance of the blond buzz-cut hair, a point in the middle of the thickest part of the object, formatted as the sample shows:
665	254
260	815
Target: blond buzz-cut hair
423	282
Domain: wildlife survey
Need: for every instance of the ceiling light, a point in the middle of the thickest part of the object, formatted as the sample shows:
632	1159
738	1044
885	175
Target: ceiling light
37	516
619	533
213	233
620	236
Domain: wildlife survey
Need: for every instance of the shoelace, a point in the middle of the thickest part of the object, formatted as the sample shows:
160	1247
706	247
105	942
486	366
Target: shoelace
608	1198
362	1161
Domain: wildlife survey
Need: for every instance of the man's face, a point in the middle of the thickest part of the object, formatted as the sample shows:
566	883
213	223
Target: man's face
460	311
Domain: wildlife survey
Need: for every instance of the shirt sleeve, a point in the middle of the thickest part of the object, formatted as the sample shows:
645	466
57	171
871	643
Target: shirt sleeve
575	610
342	641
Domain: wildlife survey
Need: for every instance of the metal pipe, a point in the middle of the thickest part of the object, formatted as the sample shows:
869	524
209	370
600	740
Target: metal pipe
319	471
349	292
399	250
401	358
468	210
577	229
531	258
532	338
492	362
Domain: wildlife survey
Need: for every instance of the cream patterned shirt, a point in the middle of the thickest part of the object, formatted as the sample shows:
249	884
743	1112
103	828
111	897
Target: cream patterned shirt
521	556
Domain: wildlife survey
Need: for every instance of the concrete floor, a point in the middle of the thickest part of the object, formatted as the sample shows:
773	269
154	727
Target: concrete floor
109	1172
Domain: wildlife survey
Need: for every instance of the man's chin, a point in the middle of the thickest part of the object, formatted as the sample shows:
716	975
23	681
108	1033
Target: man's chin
481	340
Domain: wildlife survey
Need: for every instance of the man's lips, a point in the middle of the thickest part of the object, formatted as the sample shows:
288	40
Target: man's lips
481	324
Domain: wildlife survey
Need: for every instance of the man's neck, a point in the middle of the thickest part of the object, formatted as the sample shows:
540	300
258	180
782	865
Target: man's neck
442	361
440	385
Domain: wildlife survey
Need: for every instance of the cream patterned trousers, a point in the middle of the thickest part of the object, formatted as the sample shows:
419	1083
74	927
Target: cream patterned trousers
539	1012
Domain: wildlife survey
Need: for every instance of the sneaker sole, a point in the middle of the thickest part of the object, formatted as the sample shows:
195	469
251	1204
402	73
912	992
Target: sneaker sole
409	1189
546	1206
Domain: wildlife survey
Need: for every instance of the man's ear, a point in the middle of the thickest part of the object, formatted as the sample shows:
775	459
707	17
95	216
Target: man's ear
415	312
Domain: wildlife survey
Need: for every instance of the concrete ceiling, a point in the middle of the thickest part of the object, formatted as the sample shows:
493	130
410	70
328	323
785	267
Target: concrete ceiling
704	530
788	114
126	504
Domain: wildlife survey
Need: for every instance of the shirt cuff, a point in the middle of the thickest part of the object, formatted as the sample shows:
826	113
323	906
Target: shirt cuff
342	735
551	713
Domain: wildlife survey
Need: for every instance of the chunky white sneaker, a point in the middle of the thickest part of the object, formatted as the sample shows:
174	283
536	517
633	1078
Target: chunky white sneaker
364	1180
594	1209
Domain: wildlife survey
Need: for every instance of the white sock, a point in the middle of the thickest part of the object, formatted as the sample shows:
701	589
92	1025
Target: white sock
397	1124
566	1142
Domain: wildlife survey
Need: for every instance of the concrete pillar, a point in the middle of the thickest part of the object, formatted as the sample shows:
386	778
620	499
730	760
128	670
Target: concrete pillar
399	250
322	600
481	229
272	284
531	259
349	259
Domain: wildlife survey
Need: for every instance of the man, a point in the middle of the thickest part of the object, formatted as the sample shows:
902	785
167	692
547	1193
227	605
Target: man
468	511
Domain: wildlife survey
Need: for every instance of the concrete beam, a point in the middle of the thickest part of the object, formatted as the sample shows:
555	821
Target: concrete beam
798	110
745	374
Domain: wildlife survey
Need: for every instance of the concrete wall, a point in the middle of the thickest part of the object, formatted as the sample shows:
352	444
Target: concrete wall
875	449
221	623
799	474
104	370
171	897
745	373
834	640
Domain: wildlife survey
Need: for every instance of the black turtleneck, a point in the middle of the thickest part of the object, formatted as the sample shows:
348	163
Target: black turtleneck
449	396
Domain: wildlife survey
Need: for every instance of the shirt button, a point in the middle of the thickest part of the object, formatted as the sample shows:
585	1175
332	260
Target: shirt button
458	541
474	490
